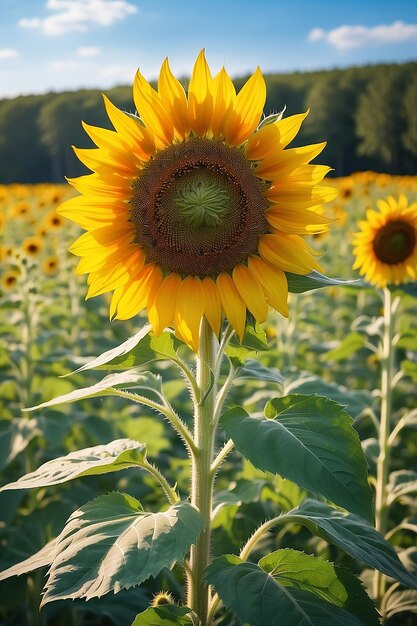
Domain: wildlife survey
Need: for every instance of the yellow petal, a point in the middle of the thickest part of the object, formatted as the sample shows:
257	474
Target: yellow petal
298	221
94	184
113	275
189	311
251	292
246	113
233	305
273	137
288	252
138	137
102	240
104	138
200	97
102	256
161	310
273	281
224	96
307	174
152	111
91	215
174	99
286	161
102	162
212	304
135	294
300	195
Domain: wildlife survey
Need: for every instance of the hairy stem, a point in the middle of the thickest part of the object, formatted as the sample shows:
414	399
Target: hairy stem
170	492
202	479
382	474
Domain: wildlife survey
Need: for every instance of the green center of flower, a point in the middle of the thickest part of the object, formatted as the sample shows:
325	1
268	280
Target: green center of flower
197	208
395	242
202	200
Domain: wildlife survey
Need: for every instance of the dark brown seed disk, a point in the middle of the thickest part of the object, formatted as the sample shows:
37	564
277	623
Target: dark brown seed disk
197	208
394	242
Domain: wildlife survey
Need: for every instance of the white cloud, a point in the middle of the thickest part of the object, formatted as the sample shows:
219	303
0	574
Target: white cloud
8	53
88	51
118	73
59	65
346	37
316	34
79	15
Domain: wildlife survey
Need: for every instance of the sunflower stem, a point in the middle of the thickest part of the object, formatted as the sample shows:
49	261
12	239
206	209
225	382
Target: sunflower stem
165	409
169	491
202	479
382	473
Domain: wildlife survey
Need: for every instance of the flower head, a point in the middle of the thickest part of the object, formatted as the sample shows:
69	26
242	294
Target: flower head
386	246
194	207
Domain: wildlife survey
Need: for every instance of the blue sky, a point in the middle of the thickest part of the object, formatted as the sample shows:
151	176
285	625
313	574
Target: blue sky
55	45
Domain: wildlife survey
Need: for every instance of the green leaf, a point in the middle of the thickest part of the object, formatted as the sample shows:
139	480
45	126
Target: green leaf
355	400
239	492
252	369
408	341
410	369
15	435
121	350
254	338
106	387
111	543
309	440
329	582
149	348
354	535
348	346
112	457
258	599
401	483
408	288
166	615
315	280
42	558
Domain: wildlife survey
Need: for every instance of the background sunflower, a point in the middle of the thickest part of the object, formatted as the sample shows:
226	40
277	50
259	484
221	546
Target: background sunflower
386	246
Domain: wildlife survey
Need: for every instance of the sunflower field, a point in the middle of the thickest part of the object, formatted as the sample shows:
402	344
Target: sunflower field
255	362
328	346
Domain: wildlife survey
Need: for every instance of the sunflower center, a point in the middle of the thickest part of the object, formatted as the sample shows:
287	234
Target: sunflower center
198	208
202	200
394	242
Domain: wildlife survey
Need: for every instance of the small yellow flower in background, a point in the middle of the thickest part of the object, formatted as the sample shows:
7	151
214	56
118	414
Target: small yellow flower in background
53	221
50	265
9	280
20	209
32	246
386	246
194	207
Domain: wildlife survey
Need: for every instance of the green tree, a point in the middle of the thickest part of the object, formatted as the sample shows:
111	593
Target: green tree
22	157
409	136
379	123
333	100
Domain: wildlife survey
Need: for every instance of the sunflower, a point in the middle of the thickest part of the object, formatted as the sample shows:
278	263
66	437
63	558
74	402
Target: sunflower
50	265
386	246
9	280
53	221
32	246
195	207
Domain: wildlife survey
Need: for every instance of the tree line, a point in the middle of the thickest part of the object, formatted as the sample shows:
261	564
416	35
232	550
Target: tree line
368	115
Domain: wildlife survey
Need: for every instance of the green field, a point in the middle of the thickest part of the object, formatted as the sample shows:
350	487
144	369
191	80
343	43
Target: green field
329	346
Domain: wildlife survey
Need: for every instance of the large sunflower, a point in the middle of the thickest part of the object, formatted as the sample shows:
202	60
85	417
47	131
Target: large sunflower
194	207
386	246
